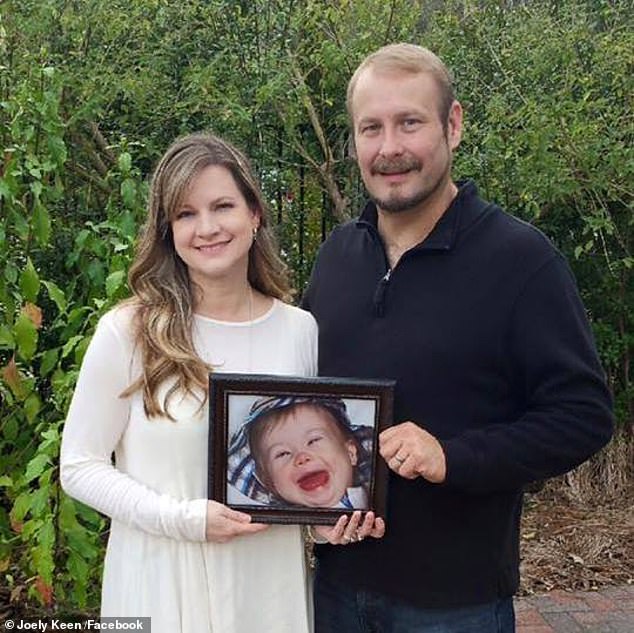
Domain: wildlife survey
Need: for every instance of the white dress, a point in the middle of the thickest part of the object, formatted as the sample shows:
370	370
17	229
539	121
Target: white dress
158	563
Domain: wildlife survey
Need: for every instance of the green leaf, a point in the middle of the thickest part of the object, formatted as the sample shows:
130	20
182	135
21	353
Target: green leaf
10	429
39	501
67	516
56	294
36	188
57	148
5	190
128	192
6	338
42	224
36	467
6	481
10	273
30	282
80	350
21	506
51	438
43	553
70	344
125	162
114	282
77	566
32	406
25	336
48	362
21	225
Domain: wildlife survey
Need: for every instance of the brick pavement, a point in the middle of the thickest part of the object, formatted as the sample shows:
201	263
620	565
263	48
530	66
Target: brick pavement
610	610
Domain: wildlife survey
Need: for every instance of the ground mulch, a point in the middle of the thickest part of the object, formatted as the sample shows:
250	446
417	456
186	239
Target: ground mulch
574	546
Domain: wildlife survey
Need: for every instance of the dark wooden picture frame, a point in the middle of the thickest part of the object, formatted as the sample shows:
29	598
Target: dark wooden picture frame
340	418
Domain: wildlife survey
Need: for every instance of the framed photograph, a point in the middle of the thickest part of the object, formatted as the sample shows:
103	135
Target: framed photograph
297	450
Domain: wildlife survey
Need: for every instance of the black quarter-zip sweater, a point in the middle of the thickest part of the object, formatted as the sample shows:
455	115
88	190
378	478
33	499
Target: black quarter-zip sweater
482	327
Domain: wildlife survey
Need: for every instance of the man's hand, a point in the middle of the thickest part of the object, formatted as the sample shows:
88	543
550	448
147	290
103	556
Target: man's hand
352	529
413	452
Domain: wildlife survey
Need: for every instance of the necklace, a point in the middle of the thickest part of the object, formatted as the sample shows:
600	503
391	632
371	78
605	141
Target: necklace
250	332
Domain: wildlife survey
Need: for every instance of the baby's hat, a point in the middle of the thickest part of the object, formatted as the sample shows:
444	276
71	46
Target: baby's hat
241	472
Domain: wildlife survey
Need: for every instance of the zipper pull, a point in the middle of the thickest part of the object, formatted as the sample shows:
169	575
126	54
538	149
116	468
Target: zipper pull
379	295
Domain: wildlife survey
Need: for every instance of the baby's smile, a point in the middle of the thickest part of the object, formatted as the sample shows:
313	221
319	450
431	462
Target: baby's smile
312	481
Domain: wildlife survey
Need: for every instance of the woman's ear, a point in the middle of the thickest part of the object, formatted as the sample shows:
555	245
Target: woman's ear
351	447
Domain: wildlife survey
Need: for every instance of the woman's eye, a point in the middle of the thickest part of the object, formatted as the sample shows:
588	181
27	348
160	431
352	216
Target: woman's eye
185	213
224	206
314	440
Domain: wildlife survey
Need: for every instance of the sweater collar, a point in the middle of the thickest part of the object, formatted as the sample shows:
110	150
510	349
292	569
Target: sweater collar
462	211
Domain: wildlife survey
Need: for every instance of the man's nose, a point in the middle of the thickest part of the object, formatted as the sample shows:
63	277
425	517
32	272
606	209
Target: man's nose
391	144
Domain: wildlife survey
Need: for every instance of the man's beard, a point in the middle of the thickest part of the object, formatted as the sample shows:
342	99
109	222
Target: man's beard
397	203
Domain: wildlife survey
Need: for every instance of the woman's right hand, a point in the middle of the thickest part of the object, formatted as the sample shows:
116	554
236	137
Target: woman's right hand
223	523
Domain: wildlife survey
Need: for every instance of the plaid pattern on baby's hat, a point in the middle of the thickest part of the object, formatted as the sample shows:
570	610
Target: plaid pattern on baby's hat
241	465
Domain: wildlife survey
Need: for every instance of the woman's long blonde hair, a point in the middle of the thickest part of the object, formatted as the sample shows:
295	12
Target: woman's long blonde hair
162	292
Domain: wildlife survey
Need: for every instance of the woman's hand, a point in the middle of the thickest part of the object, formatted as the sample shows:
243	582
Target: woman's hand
223	523
351	529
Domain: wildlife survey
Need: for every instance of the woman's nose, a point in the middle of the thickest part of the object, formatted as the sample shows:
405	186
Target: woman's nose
206	224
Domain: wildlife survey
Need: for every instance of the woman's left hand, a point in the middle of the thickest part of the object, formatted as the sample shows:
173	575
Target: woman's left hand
351	529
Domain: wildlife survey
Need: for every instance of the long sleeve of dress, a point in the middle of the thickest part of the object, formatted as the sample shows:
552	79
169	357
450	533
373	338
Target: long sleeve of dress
96	421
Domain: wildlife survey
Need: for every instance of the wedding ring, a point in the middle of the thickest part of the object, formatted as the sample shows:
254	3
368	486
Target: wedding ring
399	460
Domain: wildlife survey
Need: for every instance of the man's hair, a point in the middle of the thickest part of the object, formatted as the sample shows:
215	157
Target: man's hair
411	59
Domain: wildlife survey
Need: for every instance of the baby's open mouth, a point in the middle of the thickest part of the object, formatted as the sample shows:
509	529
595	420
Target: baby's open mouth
313	480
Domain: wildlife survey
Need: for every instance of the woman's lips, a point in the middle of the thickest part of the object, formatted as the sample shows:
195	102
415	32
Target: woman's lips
313	480
212	248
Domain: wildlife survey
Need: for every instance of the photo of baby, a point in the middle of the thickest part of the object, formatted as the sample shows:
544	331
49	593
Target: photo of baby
301	451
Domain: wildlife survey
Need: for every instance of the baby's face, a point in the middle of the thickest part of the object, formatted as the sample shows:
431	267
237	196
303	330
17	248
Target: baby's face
307	458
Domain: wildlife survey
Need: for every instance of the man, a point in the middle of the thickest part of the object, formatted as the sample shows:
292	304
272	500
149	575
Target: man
477	317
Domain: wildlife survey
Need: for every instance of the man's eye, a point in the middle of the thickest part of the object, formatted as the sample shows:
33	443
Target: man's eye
370	128
411	123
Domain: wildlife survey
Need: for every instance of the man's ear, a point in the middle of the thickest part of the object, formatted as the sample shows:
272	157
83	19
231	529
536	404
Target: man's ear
454	125
351	447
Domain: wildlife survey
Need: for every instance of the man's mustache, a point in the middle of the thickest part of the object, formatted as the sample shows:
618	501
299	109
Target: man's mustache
395	165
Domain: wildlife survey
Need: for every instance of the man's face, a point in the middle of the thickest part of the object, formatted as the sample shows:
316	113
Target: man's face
403	151
308	459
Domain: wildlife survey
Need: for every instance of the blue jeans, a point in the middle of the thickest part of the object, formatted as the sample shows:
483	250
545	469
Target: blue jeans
339	609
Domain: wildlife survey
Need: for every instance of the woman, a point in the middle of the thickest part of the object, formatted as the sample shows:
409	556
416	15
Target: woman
207	291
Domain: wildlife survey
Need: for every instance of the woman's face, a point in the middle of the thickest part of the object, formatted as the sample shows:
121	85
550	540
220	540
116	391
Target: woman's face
307	458
213	227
